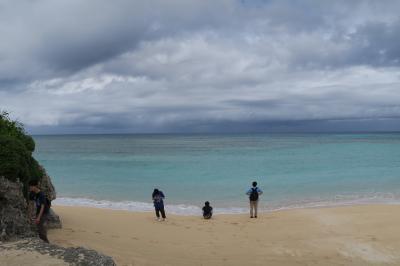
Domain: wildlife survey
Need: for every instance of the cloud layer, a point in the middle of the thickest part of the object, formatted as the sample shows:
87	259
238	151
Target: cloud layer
200	66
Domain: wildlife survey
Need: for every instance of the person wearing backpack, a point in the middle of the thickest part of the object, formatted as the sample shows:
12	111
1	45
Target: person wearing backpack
158	200
42	209
254	192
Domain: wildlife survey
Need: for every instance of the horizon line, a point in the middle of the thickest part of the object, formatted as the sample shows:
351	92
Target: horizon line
220	133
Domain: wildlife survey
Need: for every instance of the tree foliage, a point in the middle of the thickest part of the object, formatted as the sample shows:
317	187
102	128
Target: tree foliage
16	148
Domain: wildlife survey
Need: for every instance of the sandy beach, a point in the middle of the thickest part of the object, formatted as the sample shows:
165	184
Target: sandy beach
351	235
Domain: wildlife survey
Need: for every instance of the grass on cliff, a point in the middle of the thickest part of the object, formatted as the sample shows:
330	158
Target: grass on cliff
16	148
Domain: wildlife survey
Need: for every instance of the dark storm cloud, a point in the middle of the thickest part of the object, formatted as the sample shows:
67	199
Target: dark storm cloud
200	66
68	36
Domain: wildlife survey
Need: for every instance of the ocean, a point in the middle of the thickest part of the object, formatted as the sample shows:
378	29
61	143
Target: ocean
293	170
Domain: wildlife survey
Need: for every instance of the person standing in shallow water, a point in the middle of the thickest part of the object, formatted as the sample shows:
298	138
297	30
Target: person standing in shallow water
254	192
158	200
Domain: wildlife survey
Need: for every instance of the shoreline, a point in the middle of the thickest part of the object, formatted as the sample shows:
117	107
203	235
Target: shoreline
347	235
193	210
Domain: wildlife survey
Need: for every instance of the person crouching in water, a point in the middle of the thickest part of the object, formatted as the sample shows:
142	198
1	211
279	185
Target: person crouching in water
207	210
42	209
158	197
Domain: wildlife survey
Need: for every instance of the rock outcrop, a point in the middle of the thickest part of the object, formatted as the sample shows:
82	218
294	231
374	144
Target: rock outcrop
15	224
71	256
14	214
14	220
53	220
47	186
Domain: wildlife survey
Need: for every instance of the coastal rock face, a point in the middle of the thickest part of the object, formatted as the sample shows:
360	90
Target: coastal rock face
14	214
53	220
14	220
47	186
71	256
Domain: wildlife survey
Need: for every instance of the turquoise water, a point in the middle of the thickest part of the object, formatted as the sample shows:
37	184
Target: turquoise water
120	171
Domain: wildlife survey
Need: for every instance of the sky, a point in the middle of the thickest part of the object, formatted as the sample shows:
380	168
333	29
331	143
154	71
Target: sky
185	66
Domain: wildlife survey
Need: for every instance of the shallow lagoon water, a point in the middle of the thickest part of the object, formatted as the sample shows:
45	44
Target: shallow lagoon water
294	170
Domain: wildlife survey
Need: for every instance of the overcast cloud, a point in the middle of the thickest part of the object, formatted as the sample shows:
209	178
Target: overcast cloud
73	66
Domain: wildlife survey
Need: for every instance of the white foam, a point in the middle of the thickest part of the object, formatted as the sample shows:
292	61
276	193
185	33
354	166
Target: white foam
340	200
182	209
135	206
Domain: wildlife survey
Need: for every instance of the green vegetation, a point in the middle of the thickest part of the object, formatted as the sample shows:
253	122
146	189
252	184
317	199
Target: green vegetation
16	148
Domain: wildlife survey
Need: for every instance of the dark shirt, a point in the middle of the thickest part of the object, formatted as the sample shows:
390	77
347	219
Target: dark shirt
158	199
40	199
207	210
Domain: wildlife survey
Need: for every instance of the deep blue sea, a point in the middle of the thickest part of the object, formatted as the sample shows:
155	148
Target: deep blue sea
293	170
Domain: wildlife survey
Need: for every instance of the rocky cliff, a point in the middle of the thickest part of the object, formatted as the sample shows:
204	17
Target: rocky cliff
14	218
14	209
47	187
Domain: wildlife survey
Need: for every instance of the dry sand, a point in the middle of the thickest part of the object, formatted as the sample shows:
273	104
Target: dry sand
354	235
